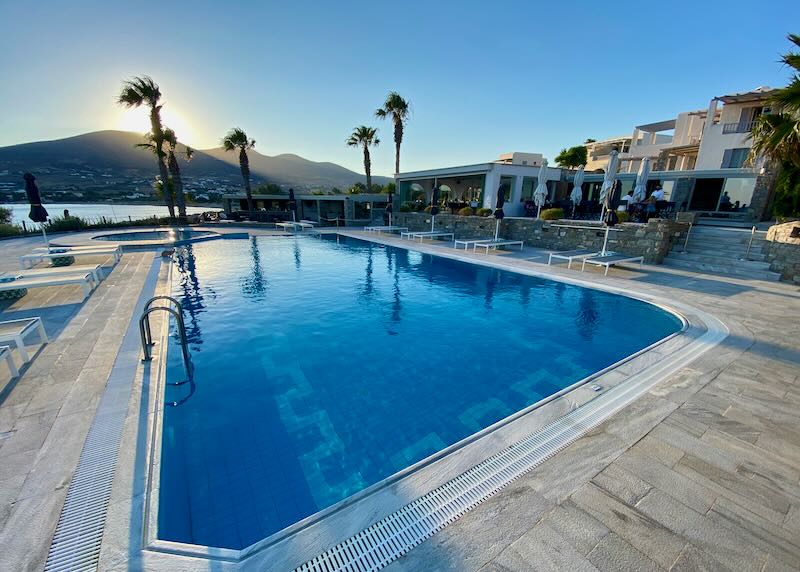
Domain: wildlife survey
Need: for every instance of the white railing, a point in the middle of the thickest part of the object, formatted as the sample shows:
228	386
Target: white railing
739	127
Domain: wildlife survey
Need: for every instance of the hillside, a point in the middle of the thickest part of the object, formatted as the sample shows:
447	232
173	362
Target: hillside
111	156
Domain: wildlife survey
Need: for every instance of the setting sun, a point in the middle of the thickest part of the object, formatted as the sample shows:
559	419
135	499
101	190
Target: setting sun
138	120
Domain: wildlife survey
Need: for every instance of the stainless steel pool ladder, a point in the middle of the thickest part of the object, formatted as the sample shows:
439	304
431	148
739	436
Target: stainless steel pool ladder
147	337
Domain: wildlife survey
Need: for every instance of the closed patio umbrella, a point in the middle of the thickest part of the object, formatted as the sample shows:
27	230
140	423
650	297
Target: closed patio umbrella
640	190
576	196
610	215
434	205
498	211
389	208
292	205
610	177
540	194
38	212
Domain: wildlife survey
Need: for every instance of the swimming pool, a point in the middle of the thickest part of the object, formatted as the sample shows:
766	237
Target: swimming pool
172	235
325	366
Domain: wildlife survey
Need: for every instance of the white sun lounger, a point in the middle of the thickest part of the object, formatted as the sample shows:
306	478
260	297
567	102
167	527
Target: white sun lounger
570	255
487	244
16	330
311	222
469	242
5	353
30	260
610	260
94	269
85	280
423	235
294	225
380	229
84	247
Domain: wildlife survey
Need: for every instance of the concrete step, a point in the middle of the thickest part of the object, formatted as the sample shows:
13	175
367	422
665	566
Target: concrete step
712	244
721	251
723	270
717	257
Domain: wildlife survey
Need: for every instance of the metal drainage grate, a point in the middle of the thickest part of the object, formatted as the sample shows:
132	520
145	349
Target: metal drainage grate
388	539
76	543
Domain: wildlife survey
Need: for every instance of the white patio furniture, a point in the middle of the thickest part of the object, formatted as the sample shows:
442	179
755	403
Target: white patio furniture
429	234
16	330
30	260
84	279
5	353
469	242
94	269
495	244
570	255
380	229
610	260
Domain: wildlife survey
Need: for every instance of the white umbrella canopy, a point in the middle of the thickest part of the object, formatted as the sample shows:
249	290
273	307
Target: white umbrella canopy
611	174
640	190
540	194
576	196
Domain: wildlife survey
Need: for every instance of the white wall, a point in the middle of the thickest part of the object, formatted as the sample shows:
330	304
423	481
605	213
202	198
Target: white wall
715	143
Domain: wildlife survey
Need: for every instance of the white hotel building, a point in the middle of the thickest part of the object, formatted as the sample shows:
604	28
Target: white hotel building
697	157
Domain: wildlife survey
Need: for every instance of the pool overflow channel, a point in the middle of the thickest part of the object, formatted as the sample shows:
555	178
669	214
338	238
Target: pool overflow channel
147	339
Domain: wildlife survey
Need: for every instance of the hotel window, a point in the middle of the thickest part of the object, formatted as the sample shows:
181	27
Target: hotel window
734	158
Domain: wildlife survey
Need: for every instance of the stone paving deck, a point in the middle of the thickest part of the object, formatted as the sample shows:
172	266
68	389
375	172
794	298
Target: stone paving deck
702	473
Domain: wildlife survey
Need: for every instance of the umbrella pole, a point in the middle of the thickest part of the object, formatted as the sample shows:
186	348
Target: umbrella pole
433	220
46	242
497	229
538	211
605	242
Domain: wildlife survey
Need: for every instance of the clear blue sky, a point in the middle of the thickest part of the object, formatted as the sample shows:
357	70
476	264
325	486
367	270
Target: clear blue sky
483	78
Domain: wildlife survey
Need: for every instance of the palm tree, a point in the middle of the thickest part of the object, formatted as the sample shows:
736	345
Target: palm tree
140	91
776	136
365	137
237	139
398	108
175	170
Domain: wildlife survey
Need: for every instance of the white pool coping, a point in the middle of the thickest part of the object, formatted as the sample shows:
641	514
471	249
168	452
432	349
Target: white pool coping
318	532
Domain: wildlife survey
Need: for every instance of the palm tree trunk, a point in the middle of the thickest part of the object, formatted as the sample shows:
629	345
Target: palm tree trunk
367	168
398	139
244	165
177	186
158	141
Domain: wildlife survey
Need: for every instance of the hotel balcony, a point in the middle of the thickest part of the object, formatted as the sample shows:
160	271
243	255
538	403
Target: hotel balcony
739	127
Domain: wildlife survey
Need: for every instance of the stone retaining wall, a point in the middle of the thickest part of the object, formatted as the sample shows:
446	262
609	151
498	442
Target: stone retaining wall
652	240
783	250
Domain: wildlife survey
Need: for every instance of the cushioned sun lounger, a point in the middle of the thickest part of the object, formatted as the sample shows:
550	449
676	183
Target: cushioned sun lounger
5	353
85	280
487	244
570	255
16	330
610	260
94	269
29	260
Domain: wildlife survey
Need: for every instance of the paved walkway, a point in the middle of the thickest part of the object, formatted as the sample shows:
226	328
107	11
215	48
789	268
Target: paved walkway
46	413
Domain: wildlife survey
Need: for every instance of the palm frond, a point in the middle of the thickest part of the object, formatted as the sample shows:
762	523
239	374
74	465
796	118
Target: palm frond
237	138
138	91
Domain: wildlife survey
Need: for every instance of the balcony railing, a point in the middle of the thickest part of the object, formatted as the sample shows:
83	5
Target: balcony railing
740	127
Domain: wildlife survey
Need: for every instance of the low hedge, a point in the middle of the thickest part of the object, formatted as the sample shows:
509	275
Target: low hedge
466	211
552	214
484	212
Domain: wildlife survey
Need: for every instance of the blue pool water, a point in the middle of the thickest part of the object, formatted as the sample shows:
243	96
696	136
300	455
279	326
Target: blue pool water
167	235
324	366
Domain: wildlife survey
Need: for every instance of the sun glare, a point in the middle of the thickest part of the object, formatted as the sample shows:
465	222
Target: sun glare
138	120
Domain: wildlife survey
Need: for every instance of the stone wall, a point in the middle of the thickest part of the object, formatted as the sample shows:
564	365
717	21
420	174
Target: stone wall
652	240
762	193
783	250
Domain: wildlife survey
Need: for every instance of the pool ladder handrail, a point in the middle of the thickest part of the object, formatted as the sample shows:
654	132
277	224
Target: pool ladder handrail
147	338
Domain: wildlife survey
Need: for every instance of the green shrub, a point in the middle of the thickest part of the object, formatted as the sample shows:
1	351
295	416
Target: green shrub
407	207
623	216
5	215
9	229
552	214
466	211
61	224
484	212
428	209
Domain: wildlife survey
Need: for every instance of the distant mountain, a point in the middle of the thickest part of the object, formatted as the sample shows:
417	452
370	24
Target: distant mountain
112	154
